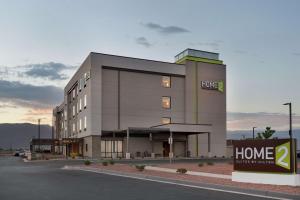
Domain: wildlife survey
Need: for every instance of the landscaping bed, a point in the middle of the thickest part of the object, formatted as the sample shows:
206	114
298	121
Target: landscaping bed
218	168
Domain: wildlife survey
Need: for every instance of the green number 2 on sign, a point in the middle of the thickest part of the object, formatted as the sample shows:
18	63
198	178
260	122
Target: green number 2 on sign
283	155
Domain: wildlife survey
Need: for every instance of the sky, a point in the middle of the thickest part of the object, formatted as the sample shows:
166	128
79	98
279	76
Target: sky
42	43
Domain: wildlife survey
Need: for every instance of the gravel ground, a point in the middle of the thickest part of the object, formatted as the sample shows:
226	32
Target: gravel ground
220	168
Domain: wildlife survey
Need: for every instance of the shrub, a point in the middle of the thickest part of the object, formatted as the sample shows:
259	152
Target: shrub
111	162
73	155
87	162
210	163
200	164
181	170
140	167
104	163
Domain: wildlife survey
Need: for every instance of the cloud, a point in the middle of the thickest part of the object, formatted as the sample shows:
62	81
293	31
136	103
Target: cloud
245	121
143	41
49	70
166	29
30	95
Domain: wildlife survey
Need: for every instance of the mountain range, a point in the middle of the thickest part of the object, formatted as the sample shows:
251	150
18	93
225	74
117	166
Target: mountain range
19	135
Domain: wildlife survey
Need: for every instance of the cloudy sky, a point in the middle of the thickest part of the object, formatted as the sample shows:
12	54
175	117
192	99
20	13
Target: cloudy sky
43	42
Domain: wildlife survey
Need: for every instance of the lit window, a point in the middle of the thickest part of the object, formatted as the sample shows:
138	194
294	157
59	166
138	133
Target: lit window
80	125
73	110
166	120
77	107
166	81
73	128
84	122
84	101
73	93
166	102
65	115
80	104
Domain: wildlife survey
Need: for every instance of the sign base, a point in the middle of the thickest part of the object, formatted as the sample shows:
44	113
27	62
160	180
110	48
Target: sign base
266	178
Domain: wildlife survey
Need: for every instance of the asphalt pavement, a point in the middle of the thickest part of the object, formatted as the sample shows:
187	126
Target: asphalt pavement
46	180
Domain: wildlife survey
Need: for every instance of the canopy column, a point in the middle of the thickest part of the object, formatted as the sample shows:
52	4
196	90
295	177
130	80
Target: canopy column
127	145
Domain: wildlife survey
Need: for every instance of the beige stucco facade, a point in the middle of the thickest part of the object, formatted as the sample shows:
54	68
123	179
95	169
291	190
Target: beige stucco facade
111	94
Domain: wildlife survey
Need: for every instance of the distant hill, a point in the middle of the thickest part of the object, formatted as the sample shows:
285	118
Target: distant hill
236	135
19	135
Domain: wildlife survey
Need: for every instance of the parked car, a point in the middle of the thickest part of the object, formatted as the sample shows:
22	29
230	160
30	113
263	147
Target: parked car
20	153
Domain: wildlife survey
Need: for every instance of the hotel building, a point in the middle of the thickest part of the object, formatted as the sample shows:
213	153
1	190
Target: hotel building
116	106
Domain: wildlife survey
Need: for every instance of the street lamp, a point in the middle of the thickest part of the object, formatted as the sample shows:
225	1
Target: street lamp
39	133
290	109
253	131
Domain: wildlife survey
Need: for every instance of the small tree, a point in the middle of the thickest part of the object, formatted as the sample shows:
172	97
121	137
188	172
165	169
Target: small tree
266	134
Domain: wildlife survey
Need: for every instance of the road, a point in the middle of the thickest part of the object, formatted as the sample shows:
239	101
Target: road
46	180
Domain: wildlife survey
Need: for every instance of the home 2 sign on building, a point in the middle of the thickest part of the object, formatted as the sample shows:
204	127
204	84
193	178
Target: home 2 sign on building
276	155
213	85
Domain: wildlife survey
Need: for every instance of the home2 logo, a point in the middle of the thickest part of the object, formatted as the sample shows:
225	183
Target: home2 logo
213	85
264	155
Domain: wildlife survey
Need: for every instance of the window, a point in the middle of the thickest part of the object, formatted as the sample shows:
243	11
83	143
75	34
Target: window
166	81
73	110
80	125
84	122
73	93
77	107
66	115
166	102
73	127
84	103
86	147
166	120
80	85
80	105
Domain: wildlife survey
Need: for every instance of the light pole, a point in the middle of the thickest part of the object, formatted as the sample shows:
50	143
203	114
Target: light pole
253	131
39	133
290	110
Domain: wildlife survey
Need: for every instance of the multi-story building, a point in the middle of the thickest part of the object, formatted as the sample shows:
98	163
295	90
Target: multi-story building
117	106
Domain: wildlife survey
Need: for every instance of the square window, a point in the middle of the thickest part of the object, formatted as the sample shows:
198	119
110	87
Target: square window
166	81
166	120
166	102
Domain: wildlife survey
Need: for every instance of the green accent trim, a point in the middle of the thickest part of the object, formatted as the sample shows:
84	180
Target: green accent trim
221	86
197	59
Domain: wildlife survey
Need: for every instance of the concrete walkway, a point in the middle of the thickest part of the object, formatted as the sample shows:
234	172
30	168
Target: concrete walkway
161	169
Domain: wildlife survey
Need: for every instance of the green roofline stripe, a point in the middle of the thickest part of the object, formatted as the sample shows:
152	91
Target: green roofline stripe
197	59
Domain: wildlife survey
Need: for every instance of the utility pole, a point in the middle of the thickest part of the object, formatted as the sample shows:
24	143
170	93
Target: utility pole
253	132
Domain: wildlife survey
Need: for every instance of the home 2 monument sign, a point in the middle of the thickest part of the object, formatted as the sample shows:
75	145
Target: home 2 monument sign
270	161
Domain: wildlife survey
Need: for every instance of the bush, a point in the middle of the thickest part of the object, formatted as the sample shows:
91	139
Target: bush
210	163
181	170
73	155
200	164
87	162
140	167
104	163
111	162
